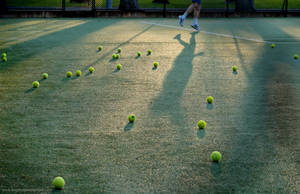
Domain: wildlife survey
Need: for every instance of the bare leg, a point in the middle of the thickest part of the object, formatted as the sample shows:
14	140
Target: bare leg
196	13
189	10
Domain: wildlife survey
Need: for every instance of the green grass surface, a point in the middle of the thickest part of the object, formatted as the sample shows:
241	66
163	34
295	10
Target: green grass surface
78	127
293	4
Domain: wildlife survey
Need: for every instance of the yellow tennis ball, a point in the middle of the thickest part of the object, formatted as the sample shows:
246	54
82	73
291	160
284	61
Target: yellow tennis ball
201	124
69	74
58	183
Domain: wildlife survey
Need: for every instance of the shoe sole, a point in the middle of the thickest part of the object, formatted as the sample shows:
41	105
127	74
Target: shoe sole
195	28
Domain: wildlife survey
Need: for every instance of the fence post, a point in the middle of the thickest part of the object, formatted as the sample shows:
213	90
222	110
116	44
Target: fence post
286	7
63	5
93	5
108	4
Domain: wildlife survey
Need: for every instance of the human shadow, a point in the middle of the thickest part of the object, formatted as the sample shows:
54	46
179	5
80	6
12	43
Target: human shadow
169	100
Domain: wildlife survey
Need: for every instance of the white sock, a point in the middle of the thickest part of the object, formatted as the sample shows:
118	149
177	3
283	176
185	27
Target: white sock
184	15
195	21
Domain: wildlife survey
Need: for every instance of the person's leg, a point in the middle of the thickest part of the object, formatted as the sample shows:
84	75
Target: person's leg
196	13
197	7
186	13
188	10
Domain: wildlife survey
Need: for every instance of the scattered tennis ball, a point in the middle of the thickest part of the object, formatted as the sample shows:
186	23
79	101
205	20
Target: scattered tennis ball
78	73
69	74
4	55
119	50
273	45
117	56
58	183
91	69
139	53
149	52
100	48
131	118
296	56
209	99
35	84
155	64
119	66
201	124
234	68
4	59
216	156
45	75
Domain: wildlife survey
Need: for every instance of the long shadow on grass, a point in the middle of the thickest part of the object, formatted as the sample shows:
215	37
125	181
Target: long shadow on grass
103	57
254	164
169	100
55	39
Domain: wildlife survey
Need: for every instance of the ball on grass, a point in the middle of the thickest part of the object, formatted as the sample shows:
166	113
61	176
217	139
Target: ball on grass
209	99
201	124
4	55
296	56
45	75
155	64
35	84
100	48
273	45
119	66
131	118
69	74
91	69
4	59
119	50
234	68
58	183
139	53
149	52
216	156
78	73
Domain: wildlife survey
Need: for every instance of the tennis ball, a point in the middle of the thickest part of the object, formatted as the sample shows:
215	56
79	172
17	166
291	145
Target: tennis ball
234	68
117	56
58	182
114	56
216	156
78	73
201	124
4	59
69	74
91	69
100	48
3	55
155	64
209	99
149	52
272	45
45	75
296	56
139	53
119	66
119	50
35	84
131	118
